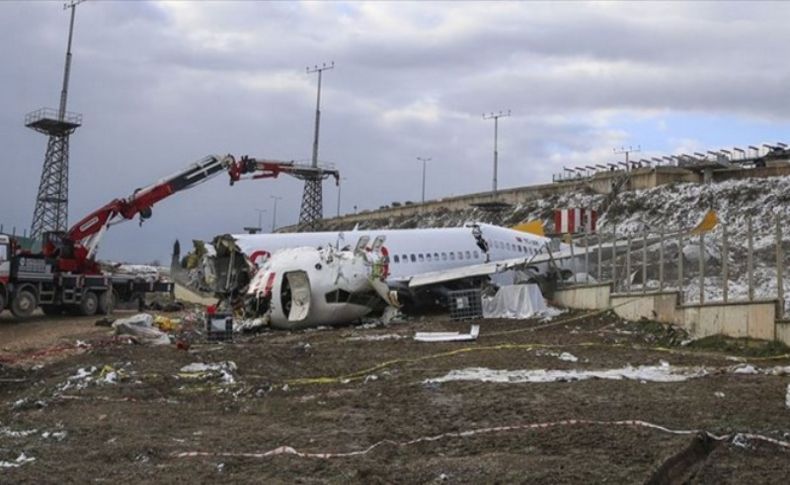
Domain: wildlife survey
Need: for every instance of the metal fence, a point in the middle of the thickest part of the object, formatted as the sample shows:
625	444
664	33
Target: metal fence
722	265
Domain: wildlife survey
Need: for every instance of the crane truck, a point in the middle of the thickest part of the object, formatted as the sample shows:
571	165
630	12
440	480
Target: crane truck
65	275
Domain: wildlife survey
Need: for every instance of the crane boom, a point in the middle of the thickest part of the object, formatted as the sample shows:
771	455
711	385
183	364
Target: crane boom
75	249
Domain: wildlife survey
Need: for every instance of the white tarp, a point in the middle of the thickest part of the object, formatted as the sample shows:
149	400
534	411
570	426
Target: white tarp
515	301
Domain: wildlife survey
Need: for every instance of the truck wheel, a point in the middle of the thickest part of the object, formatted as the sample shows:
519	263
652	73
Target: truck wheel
52	310
24	303
89	304
107	302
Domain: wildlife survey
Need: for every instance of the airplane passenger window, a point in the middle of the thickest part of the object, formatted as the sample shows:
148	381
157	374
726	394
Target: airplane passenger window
405	258
428	257
421	258
468	255
413	258
436	256
444	256
460	255
396	259
452	256
476	254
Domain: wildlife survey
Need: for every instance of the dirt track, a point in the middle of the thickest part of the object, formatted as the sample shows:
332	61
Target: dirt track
158	424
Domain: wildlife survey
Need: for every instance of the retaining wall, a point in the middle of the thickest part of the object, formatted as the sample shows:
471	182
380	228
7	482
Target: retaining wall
755	319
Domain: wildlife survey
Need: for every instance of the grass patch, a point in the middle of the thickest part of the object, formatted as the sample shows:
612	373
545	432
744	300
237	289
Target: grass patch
744	347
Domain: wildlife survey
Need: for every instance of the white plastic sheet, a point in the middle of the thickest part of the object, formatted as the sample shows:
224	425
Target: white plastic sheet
515	301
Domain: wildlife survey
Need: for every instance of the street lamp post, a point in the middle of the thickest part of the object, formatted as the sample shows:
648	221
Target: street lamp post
424	161
339	186
260	214
274	212
496	117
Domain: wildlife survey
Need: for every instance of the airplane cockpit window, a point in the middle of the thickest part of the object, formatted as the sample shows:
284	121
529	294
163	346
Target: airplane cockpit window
413	258
396	259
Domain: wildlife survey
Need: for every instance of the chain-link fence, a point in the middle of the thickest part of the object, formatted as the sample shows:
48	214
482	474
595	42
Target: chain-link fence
742	260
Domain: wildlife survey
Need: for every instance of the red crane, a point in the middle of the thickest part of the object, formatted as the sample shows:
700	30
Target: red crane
75	249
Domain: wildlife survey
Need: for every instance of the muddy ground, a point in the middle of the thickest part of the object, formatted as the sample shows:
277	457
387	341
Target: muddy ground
136	417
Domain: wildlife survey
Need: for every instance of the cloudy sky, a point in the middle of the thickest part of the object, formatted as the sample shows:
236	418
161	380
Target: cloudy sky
161	84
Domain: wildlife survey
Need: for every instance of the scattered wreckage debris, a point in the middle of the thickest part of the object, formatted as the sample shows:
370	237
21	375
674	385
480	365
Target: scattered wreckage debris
448	336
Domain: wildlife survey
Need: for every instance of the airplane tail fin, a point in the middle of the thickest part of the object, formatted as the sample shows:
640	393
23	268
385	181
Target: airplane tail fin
708	222
532	227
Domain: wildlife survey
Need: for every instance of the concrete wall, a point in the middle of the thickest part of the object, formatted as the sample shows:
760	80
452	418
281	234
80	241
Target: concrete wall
660	307
783	332
756	319
586	297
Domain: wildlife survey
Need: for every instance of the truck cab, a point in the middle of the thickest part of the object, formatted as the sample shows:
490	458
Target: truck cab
5	269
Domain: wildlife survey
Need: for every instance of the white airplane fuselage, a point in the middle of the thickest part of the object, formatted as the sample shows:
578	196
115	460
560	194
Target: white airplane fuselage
411	251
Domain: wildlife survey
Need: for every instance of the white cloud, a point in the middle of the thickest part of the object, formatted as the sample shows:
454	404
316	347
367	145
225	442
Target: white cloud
164	83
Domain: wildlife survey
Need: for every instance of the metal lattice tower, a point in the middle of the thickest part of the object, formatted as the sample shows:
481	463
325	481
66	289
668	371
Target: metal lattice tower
52	201
312	210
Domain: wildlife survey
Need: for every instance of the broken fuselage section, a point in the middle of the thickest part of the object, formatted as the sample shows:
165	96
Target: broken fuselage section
293	289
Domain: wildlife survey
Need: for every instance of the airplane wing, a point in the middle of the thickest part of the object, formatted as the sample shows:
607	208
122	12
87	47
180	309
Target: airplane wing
485	269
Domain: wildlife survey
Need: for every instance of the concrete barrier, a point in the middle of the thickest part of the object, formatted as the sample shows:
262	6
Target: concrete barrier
584	297
659	306
755	319
783	332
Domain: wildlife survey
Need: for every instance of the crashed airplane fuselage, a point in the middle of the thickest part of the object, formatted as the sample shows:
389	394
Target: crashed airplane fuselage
298	280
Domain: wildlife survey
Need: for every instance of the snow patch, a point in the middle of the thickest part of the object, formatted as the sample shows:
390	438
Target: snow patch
21	460
654	373
9	433
374	338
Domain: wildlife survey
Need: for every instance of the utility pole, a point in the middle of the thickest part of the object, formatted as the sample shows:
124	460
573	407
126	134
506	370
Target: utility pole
424	161
339	187
260	217
312	198
495	117
274	212
52	200
627	152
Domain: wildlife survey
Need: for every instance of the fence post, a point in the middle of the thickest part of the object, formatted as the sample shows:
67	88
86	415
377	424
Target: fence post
586	258
779	264
614	258
661	260
644	261
628	265
725	258
702	268
680	265
573	260
750	258
600	257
